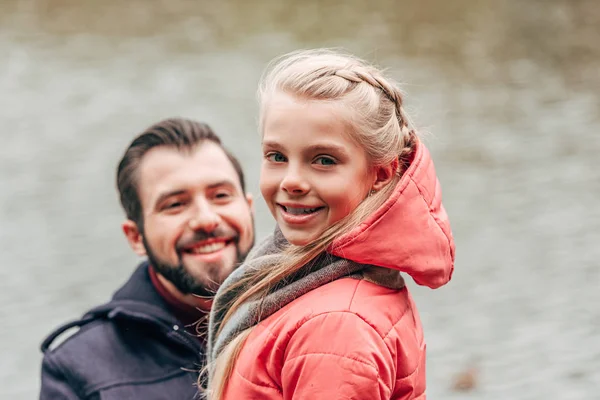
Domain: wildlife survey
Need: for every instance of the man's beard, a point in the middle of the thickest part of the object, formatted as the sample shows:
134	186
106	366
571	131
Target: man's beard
182	279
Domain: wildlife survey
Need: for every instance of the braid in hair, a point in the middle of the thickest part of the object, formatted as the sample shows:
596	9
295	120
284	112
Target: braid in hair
359	75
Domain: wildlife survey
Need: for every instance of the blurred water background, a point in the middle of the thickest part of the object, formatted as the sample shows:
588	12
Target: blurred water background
507	91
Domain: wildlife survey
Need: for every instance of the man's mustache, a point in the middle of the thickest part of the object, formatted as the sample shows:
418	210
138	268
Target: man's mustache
198	236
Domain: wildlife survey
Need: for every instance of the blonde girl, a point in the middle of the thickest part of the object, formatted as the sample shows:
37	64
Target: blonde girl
319	310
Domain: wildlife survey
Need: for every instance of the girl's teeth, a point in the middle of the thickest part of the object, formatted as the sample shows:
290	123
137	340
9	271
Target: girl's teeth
208	248
300	211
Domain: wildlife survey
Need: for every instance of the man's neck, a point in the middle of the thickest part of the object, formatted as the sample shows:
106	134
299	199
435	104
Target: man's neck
188	299
191	311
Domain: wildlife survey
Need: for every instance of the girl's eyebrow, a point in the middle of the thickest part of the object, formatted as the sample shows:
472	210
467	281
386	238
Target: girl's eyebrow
327	148
319	147
272	145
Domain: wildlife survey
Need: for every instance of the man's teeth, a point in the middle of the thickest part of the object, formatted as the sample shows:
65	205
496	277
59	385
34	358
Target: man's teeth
300	211
208	248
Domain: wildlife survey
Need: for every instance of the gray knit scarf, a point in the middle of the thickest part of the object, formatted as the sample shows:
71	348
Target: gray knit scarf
324	269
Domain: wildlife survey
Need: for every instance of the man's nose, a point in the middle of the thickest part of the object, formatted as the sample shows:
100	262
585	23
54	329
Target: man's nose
204	217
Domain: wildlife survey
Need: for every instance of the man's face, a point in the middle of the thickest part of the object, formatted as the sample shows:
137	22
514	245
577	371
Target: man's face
197	222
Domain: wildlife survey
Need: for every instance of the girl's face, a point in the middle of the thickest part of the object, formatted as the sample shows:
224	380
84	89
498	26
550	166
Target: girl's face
313	174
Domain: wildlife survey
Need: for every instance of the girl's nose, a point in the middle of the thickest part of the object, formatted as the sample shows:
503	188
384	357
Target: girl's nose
294	183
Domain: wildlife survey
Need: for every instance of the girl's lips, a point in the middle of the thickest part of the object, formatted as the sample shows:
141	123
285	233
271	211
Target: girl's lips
298	219
297	205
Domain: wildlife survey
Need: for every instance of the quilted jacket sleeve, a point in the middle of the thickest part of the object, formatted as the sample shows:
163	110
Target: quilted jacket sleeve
337	355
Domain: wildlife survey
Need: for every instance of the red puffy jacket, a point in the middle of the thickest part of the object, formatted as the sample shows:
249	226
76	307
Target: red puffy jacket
352	339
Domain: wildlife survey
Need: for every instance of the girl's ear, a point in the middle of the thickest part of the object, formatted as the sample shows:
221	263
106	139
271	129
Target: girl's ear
384	174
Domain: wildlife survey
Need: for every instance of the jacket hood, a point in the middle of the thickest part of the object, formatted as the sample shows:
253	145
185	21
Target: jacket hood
410	232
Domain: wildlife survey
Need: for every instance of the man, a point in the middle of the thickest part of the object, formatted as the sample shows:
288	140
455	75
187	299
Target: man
188	213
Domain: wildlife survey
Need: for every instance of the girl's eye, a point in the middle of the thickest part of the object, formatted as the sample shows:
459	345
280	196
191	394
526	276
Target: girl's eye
276	157
326	161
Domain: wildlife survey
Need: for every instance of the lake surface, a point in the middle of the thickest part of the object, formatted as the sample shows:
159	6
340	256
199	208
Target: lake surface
506	92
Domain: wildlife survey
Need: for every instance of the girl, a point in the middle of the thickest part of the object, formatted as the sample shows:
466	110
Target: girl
319	310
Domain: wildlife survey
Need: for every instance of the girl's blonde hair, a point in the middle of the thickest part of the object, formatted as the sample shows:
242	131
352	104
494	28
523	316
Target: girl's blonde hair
378	122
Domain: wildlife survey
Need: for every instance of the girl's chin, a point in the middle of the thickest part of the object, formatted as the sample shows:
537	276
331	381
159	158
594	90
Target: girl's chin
298	237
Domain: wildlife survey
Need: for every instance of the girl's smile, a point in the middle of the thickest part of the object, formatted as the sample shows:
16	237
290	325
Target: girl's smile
298	214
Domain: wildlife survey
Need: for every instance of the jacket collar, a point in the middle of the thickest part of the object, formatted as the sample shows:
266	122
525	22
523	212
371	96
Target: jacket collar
137	300
138	297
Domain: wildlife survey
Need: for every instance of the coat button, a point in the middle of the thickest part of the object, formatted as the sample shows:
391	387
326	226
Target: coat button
175	327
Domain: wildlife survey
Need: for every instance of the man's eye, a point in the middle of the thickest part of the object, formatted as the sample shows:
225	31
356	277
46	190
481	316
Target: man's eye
173	205
222	195
276	157
325	161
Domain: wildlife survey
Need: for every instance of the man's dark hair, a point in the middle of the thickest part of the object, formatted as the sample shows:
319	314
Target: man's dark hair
183	134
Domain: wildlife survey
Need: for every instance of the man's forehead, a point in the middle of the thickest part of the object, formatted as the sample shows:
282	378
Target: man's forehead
164	168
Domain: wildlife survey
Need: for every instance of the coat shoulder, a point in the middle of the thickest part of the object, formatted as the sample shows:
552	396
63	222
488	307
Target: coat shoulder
379	307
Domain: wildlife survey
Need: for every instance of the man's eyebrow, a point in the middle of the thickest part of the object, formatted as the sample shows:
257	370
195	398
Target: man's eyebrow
224	182
177	192
168	194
